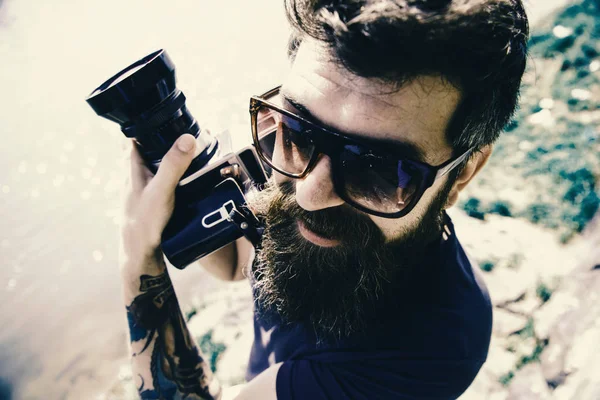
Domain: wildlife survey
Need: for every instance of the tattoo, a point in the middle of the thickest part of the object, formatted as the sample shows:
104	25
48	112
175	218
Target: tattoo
178	369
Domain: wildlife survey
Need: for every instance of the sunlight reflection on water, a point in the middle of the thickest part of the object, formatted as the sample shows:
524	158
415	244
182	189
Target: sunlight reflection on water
63	333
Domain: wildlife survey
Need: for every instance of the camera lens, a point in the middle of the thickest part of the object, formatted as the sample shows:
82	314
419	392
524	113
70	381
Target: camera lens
144	100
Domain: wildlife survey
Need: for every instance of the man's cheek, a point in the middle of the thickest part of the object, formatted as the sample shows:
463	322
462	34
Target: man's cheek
388	227
280	179
394	229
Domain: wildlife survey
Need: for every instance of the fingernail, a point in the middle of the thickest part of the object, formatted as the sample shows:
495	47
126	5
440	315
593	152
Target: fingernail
186	143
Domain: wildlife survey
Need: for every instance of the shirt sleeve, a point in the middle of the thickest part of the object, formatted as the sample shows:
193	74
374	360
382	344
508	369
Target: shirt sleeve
375	379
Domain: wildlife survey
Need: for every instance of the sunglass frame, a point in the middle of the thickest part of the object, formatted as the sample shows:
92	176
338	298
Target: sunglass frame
429	173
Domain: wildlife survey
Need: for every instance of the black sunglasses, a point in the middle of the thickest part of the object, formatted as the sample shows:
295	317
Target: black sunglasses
376	182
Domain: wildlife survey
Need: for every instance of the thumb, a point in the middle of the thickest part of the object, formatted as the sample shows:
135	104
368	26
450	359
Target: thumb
174	164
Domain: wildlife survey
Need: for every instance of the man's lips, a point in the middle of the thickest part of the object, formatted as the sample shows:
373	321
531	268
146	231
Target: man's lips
315	238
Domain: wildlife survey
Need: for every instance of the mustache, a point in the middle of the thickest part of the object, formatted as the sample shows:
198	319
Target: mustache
276	205
341	290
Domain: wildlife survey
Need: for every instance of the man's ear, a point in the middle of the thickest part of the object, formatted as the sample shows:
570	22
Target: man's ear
474	165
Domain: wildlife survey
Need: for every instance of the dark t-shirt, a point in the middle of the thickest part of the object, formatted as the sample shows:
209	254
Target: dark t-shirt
430	348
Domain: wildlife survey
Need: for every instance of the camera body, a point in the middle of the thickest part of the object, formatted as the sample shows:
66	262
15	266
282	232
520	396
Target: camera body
210	206
210	210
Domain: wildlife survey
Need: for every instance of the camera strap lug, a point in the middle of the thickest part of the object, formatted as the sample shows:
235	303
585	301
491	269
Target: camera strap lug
248	225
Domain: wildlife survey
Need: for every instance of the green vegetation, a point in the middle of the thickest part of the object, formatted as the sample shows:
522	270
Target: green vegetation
211	349
472	208
501	208
487	265
527	332
190	314
540	345
550	154
506	378
543	292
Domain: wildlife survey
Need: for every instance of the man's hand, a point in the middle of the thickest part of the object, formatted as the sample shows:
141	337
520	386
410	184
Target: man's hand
166	361
150	199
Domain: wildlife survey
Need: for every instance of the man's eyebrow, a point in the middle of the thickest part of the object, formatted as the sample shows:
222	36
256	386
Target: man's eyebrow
405	149
298	106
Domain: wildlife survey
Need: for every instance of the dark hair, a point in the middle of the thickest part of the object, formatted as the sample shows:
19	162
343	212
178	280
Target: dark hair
479	46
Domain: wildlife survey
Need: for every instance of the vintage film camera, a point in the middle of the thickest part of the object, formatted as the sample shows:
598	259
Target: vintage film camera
210	207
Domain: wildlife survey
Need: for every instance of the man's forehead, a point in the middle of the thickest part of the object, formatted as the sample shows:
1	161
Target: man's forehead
416	113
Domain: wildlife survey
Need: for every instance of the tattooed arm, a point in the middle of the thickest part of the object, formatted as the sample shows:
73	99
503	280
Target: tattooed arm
166	363
165	359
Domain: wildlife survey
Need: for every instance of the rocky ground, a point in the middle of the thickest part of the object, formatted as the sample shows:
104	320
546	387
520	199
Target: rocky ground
546	316
540	252
530	222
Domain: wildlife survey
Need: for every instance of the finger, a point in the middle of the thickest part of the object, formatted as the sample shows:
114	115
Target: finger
174	164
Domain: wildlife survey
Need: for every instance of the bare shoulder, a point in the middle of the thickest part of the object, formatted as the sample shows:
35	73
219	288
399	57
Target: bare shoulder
262	387
245	257
229	262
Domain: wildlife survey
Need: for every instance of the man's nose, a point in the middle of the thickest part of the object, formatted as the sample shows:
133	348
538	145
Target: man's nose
315	191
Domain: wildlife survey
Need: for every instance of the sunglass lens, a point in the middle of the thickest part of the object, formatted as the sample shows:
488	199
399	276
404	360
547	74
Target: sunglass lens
284	141
379	184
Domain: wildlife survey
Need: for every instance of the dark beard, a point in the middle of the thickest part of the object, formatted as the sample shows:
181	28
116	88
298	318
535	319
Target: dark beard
336	291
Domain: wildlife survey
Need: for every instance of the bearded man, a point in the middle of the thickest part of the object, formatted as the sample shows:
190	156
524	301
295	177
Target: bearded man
362	289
